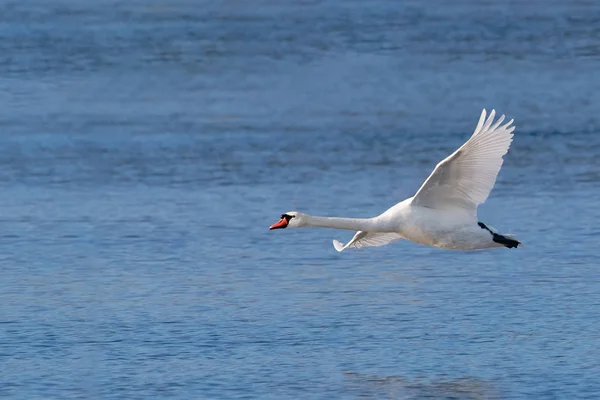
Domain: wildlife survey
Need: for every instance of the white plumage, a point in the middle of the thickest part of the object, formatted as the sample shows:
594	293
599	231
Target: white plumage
465	178
443	212
368	239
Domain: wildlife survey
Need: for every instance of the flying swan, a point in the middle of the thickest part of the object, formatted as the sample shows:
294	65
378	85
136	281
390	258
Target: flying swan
443	212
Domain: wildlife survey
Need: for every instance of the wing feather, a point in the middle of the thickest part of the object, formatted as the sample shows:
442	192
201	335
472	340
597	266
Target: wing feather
368	239
465	179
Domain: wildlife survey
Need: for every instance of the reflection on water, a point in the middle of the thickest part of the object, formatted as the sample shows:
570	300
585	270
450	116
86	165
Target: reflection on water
401	388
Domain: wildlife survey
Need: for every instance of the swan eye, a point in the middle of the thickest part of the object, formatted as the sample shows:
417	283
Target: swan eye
287	217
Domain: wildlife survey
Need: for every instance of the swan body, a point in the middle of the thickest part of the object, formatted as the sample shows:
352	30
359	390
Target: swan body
443	212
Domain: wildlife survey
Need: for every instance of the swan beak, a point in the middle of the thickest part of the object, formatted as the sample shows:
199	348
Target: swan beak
279	225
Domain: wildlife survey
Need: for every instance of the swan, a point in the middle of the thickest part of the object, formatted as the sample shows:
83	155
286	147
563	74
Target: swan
443	212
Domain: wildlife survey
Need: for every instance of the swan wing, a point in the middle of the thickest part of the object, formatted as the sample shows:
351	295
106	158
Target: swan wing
465	178
367	239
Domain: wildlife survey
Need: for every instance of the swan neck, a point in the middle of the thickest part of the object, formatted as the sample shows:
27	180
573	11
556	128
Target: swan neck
352	224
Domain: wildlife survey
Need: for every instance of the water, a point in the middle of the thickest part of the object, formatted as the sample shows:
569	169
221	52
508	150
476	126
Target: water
146	147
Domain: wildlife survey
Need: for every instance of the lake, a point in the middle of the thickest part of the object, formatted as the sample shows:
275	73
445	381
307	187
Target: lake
146	147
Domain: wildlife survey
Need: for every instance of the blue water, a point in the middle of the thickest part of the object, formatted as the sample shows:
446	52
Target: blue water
146	147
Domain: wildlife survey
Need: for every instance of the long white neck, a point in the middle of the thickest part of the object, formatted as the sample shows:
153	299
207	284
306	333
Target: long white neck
352	224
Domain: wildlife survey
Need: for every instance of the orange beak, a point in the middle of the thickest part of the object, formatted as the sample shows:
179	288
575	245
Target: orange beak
279	225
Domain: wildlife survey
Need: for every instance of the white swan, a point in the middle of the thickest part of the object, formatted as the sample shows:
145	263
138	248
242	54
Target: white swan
443	212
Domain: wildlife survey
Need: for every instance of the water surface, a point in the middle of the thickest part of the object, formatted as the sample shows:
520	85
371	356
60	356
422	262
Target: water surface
147	146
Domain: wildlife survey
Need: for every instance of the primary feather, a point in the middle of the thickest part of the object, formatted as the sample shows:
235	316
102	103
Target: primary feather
368	239
465	178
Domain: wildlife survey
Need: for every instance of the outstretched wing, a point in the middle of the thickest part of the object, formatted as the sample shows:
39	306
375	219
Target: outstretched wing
367	239
464	179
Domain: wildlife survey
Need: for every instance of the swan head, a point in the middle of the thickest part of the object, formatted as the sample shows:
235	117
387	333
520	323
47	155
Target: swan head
291	219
